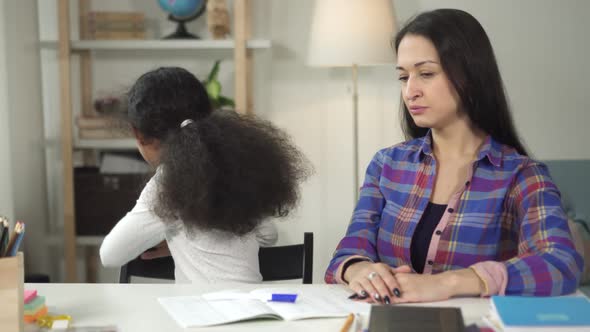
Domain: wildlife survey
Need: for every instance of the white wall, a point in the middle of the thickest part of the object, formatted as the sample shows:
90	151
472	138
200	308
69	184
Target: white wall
540	46
6	199
23	99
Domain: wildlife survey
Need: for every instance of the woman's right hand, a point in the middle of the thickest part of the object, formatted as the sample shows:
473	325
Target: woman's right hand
374	282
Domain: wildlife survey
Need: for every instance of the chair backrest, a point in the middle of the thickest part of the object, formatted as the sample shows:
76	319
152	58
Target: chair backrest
276	263
288	262
158	268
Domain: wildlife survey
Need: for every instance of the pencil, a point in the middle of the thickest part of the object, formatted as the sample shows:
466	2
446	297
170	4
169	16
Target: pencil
7	226
3	236
20	233
348	323
12	240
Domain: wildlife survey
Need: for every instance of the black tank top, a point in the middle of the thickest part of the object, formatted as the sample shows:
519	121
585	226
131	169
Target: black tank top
423	234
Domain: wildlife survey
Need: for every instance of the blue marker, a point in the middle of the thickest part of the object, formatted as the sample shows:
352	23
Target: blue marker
283	298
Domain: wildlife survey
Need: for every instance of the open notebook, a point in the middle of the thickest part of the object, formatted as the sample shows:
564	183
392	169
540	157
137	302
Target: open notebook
230	306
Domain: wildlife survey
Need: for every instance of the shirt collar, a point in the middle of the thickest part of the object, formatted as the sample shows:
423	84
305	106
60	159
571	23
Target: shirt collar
491	149
426	146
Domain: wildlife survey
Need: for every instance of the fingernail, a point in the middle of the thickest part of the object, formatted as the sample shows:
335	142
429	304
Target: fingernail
386	300
376	296
364	293
353	296
362	297
396	292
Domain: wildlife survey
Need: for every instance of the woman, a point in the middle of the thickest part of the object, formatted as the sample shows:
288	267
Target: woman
219	175
459	209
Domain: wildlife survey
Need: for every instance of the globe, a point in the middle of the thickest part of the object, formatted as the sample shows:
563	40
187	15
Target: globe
182	11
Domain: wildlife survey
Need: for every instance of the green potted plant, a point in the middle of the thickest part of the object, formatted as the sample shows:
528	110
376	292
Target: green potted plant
213	88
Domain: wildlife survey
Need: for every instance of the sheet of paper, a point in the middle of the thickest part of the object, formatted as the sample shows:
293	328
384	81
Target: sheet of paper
312	303
234	295
195	311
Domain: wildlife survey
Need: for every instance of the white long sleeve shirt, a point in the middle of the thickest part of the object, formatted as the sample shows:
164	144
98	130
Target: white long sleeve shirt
199	256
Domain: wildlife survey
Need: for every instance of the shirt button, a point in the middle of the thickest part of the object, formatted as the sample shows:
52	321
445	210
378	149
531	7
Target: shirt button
451	210
438	232
430	262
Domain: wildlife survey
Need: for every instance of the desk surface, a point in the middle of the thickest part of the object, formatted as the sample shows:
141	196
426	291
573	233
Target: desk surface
134	307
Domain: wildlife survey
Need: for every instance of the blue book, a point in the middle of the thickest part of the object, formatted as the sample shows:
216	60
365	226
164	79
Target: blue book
519	313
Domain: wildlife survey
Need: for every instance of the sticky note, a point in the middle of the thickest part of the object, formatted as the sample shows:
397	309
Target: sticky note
30	294
33	306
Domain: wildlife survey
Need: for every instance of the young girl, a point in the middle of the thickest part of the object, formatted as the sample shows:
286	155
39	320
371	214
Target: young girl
459	209
219	175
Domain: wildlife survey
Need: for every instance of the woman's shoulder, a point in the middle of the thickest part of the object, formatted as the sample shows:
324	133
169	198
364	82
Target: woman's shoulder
403	151
513	160
525	169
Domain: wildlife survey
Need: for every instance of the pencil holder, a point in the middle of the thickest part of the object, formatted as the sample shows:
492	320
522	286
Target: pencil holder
11	293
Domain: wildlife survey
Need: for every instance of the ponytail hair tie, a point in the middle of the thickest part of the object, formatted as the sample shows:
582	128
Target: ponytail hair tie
185	123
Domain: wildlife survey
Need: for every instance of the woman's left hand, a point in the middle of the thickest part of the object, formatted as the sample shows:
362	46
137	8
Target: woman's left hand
161	250
416	287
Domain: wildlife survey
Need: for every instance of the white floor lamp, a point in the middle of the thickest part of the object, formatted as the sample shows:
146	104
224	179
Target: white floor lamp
352	33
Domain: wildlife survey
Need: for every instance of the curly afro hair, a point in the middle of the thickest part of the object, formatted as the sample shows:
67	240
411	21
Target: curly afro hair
223	170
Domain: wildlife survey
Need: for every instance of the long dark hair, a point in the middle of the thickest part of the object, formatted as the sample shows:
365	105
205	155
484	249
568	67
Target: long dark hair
468	59
223	171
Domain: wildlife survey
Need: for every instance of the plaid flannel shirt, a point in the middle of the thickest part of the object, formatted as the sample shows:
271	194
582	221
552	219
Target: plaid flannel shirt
507	222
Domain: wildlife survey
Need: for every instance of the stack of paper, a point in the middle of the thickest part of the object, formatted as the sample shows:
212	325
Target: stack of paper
517	313
34	306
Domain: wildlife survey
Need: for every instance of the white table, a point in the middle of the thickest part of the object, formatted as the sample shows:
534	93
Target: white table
134	307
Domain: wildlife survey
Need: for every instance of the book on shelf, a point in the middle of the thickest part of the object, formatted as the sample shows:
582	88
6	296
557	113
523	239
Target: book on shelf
233	306
111	16
95	122
103	133
519	313
115	35
113	25
116	26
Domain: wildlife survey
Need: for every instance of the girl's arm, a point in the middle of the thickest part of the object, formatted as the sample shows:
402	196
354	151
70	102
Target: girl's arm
138	231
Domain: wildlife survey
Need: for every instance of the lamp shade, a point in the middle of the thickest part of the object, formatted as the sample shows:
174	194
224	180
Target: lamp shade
347	32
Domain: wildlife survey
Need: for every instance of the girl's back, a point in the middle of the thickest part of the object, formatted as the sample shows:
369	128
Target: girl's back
219	176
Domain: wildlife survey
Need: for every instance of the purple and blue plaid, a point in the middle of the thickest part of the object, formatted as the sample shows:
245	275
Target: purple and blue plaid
509	212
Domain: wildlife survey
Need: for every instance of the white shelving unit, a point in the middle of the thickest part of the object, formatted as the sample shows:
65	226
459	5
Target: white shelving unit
66	48
105	144
144	45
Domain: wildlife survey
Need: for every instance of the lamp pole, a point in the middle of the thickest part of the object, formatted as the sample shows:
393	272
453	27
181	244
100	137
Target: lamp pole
355	148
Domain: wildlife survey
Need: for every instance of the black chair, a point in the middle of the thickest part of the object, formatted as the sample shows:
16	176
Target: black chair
288	262
158	268
276	263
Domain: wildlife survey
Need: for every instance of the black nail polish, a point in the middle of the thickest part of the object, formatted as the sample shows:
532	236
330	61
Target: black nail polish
377	297
353	296
386	300
362	297
396	292
364	293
